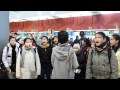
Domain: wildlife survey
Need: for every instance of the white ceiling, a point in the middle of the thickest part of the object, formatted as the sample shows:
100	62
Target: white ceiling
17	16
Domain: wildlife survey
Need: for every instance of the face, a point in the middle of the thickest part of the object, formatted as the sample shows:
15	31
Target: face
84	43
76	49
113	41
55	40
44	41
28	43
20	41
29	36
12	41
99	40
82	36
12	34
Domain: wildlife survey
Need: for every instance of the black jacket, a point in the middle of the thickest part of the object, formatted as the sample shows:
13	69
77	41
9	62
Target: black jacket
45	54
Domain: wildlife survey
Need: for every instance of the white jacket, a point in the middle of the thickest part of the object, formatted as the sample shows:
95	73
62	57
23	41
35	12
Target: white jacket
8	60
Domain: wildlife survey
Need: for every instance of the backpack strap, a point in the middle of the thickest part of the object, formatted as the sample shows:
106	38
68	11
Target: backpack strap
35	49
20	51
35	58
109	57
91	55
109	54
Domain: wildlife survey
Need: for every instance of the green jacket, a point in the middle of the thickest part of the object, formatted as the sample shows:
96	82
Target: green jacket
99	67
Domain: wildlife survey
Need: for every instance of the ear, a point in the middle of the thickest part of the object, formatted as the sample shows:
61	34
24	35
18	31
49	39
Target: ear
117	41
104	40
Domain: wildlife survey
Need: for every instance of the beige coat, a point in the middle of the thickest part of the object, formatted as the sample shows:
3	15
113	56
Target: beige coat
118	58
29	70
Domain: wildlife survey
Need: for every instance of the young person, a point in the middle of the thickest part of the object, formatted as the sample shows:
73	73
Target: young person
55	41
19	42
9	56
45	51
102	62
28	62
64	60
82	58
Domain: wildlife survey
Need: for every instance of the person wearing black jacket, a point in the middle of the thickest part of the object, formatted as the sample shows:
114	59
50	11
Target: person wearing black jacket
82	57
45	51
77	40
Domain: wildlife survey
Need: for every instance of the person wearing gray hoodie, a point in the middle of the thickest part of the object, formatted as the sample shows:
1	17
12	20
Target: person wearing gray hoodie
63	59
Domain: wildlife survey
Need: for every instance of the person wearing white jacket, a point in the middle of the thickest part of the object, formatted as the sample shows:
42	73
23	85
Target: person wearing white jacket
28	63
9	56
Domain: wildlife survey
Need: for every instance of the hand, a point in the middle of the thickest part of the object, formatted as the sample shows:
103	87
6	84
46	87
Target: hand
36	76
8	70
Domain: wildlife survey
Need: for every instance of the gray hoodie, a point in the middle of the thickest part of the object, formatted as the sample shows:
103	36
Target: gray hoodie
62	69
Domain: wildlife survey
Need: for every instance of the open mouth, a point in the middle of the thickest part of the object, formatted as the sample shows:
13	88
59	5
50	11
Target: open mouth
97	42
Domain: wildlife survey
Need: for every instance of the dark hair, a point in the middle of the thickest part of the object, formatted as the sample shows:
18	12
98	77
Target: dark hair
11	38
62	37
82	33
77	36
102	34
88	43
107	38
26	39
54	38
11	31
116	37
16	33
45	37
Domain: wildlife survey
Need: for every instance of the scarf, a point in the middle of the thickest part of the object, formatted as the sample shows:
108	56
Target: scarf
13	58
102	47
24	49
45	46
28	48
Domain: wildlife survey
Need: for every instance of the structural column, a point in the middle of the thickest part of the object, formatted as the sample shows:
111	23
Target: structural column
4	30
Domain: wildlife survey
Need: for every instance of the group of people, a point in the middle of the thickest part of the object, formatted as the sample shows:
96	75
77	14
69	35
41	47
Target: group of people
59	58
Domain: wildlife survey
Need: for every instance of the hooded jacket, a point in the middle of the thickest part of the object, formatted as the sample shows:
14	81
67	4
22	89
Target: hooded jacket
62	69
